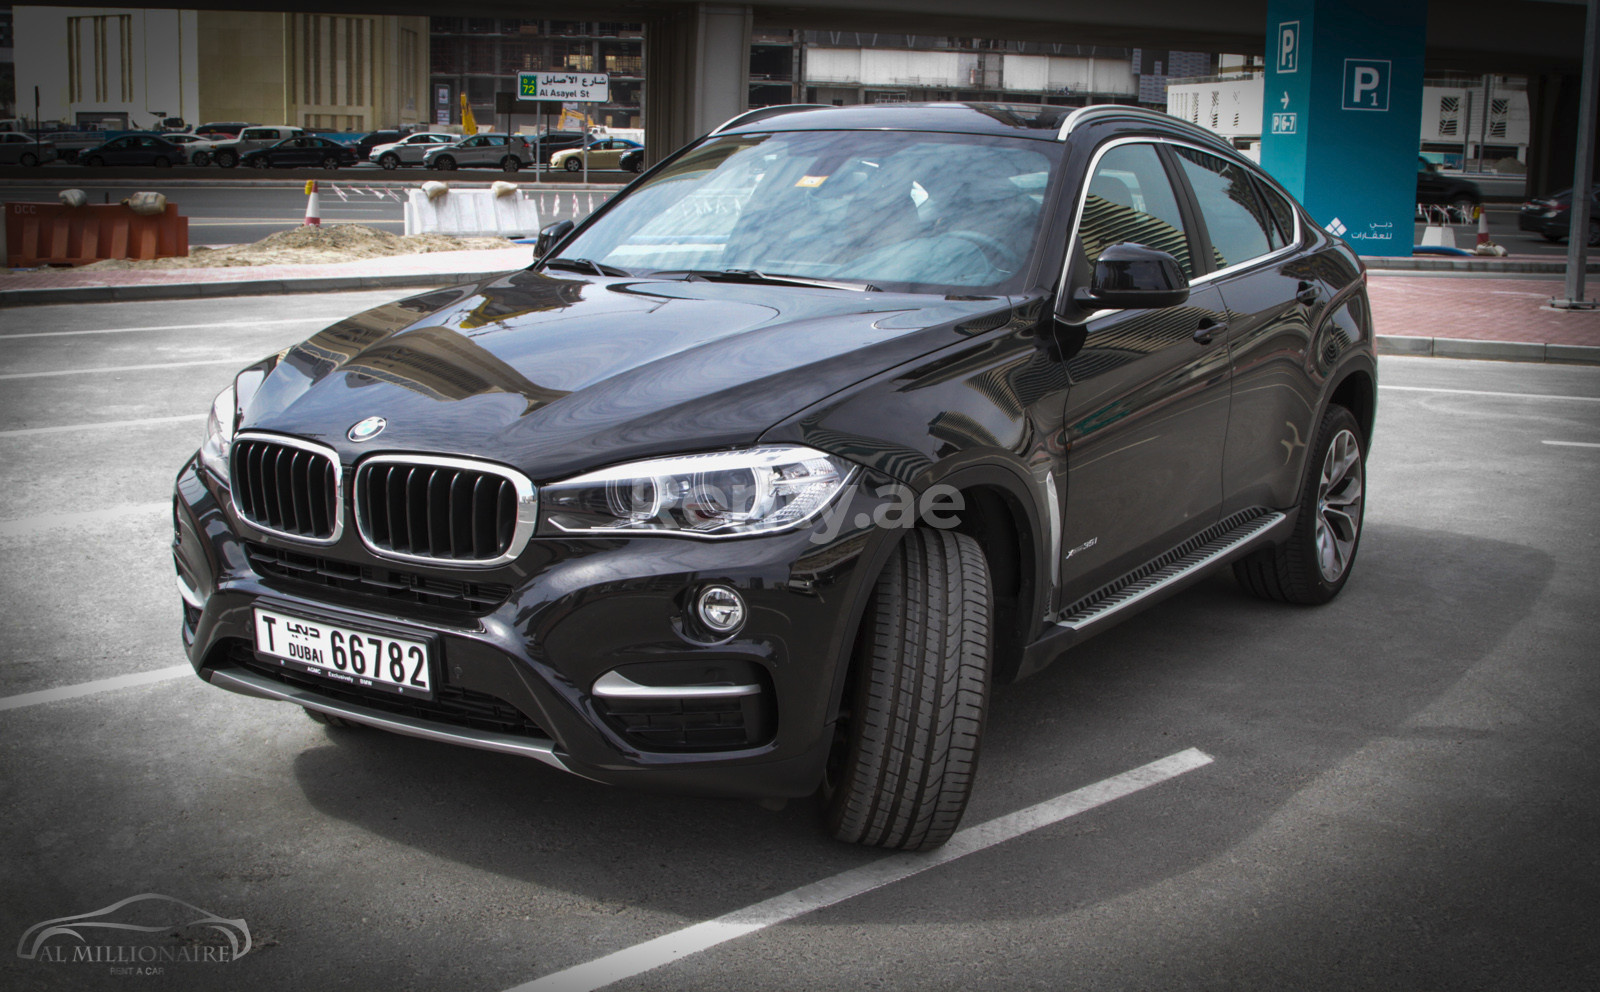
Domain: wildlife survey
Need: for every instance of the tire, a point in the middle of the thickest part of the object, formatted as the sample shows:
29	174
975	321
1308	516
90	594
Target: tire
445	162
259	162
200	158
390	162
1315	562
906	750
636	166
330	163
227	159
95	161
162	162
572	165
28	159
510	163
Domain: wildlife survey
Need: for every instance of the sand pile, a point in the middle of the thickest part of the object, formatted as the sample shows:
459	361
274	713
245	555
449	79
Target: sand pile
310	245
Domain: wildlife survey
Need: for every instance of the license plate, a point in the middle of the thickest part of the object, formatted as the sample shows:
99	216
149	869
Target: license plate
354	656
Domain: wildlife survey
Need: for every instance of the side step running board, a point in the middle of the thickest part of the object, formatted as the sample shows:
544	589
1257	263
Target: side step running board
1230	539
1195	561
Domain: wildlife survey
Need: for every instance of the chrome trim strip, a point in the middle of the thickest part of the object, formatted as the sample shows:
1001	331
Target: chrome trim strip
189	595
615	685
1241	536
250	684
527	507
293	442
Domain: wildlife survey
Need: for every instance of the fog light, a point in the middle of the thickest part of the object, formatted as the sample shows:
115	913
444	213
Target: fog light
720	609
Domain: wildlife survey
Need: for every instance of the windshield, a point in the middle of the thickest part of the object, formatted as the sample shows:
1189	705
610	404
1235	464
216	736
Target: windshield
901	210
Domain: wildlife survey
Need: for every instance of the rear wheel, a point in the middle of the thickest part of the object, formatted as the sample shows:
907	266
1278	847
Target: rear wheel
330	163
510	163
906	751
29	159
1313	565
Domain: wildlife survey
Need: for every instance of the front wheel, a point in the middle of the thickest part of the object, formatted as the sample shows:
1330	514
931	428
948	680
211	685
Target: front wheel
200	158
390	162
445	162
573	165
906	750
162	162
227	159
1314	563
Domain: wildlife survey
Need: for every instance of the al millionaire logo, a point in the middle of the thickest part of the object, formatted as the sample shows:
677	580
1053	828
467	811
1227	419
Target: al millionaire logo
139	935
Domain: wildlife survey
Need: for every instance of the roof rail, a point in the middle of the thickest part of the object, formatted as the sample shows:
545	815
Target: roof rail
762	113
1084	115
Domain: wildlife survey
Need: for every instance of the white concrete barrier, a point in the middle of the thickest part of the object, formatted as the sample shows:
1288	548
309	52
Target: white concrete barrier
472	213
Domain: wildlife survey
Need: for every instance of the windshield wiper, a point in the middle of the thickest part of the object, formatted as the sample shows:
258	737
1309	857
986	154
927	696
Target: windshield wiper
586	265
765	279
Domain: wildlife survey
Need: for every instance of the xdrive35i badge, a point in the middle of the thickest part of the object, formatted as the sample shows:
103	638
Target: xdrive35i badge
366	430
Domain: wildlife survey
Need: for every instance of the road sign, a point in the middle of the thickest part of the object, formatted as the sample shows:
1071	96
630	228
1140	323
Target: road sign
1366	84
568	87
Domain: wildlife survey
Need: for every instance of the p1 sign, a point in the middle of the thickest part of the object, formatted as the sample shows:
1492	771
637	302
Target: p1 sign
1366	84
1288	47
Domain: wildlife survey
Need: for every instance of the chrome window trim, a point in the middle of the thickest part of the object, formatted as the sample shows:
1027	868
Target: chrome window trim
304	445
527	495
1084	115
1083	198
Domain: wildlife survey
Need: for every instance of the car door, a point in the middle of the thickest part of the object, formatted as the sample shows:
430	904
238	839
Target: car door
1273	295
1147	408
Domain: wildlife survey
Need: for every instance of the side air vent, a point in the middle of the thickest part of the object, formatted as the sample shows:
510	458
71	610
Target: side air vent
287	487
440	510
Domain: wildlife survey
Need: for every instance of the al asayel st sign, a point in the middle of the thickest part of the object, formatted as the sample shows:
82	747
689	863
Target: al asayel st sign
570	87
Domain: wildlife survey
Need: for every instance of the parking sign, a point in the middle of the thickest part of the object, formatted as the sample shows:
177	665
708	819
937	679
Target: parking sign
1366	84
1289	47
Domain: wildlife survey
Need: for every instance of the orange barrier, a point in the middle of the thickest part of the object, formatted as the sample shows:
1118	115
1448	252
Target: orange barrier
55	234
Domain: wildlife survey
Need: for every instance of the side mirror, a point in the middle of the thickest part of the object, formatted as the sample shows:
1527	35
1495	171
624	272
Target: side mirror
1133	277
550	236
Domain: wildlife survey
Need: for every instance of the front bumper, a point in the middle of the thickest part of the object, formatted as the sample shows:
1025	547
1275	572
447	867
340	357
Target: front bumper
517	673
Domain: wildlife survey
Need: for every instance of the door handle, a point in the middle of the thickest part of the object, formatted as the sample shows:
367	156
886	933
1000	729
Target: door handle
1307	294
1207	330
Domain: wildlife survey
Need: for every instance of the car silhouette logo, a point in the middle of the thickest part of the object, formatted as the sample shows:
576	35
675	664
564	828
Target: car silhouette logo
366	430
161	914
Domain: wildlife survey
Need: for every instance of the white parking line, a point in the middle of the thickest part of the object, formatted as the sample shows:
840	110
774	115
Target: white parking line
640	958
1572	444
20	700
103	425
168	327
1486	392
127	368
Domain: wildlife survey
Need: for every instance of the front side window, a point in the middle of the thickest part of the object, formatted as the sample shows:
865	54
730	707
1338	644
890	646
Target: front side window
1235	219
1130	199
911	211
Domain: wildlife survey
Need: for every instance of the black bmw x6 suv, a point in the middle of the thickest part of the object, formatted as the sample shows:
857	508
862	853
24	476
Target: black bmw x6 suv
758	479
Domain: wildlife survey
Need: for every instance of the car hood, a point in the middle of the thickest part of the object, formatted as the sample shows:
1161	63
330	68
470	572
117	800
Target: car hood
557	374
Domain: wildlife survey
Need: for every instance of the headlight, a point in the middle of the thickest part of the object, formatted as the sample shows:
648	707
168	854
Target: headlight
223	422
727	494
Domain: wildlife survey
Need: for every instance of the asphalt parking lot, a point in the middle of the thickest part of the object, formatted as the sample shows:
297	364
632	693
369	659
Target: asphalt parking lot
1395	791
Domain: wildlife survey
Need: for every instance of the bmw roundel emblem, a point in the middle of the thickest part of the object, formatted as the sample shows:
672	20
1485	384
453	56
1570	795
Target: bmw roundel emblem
368	429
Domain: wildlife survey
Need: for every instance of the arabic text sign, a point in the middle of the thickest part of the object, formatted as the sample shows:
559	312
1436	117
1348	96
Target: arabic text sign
570	87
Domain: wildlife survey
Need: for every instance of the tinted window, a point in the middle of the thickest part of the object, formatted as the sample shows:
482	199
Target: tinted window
1235	219
1280	210
1130	200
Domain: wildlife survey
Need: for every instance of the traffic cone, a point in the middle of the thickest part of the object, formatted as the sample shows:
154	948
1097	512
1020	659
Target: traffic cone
313	205
1483	226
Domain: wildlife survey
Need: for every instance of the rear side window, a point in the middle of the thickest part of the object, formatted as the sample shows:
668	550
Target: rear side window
1235	219
1280	210
1130	200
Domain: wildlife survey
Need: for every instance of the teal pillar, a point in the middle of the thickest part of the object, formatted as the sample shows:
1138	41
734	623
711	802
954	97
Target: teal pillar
1342	114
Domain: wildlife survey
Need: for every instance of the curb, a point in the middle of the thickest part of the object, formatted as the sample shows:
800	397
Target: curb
1493	351
1474	266
248	287
346	179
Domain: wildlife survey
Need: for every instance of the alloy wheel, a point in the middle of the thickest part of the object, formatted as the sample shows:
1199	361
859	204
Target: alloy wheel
1339	495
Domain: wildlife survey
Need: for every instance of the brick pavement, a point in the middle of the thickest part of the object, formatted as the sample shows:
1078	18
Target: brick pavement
1480	308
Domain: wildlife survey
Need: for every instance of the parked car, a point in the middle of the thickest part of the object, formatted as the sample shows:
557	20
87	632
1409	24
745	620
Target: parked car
386	136
220	130
765	473
1551	216
603	154
17	148
1437	189
135	149
306	151
229	152
70	144
481	151
550	142
410	149
632	160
